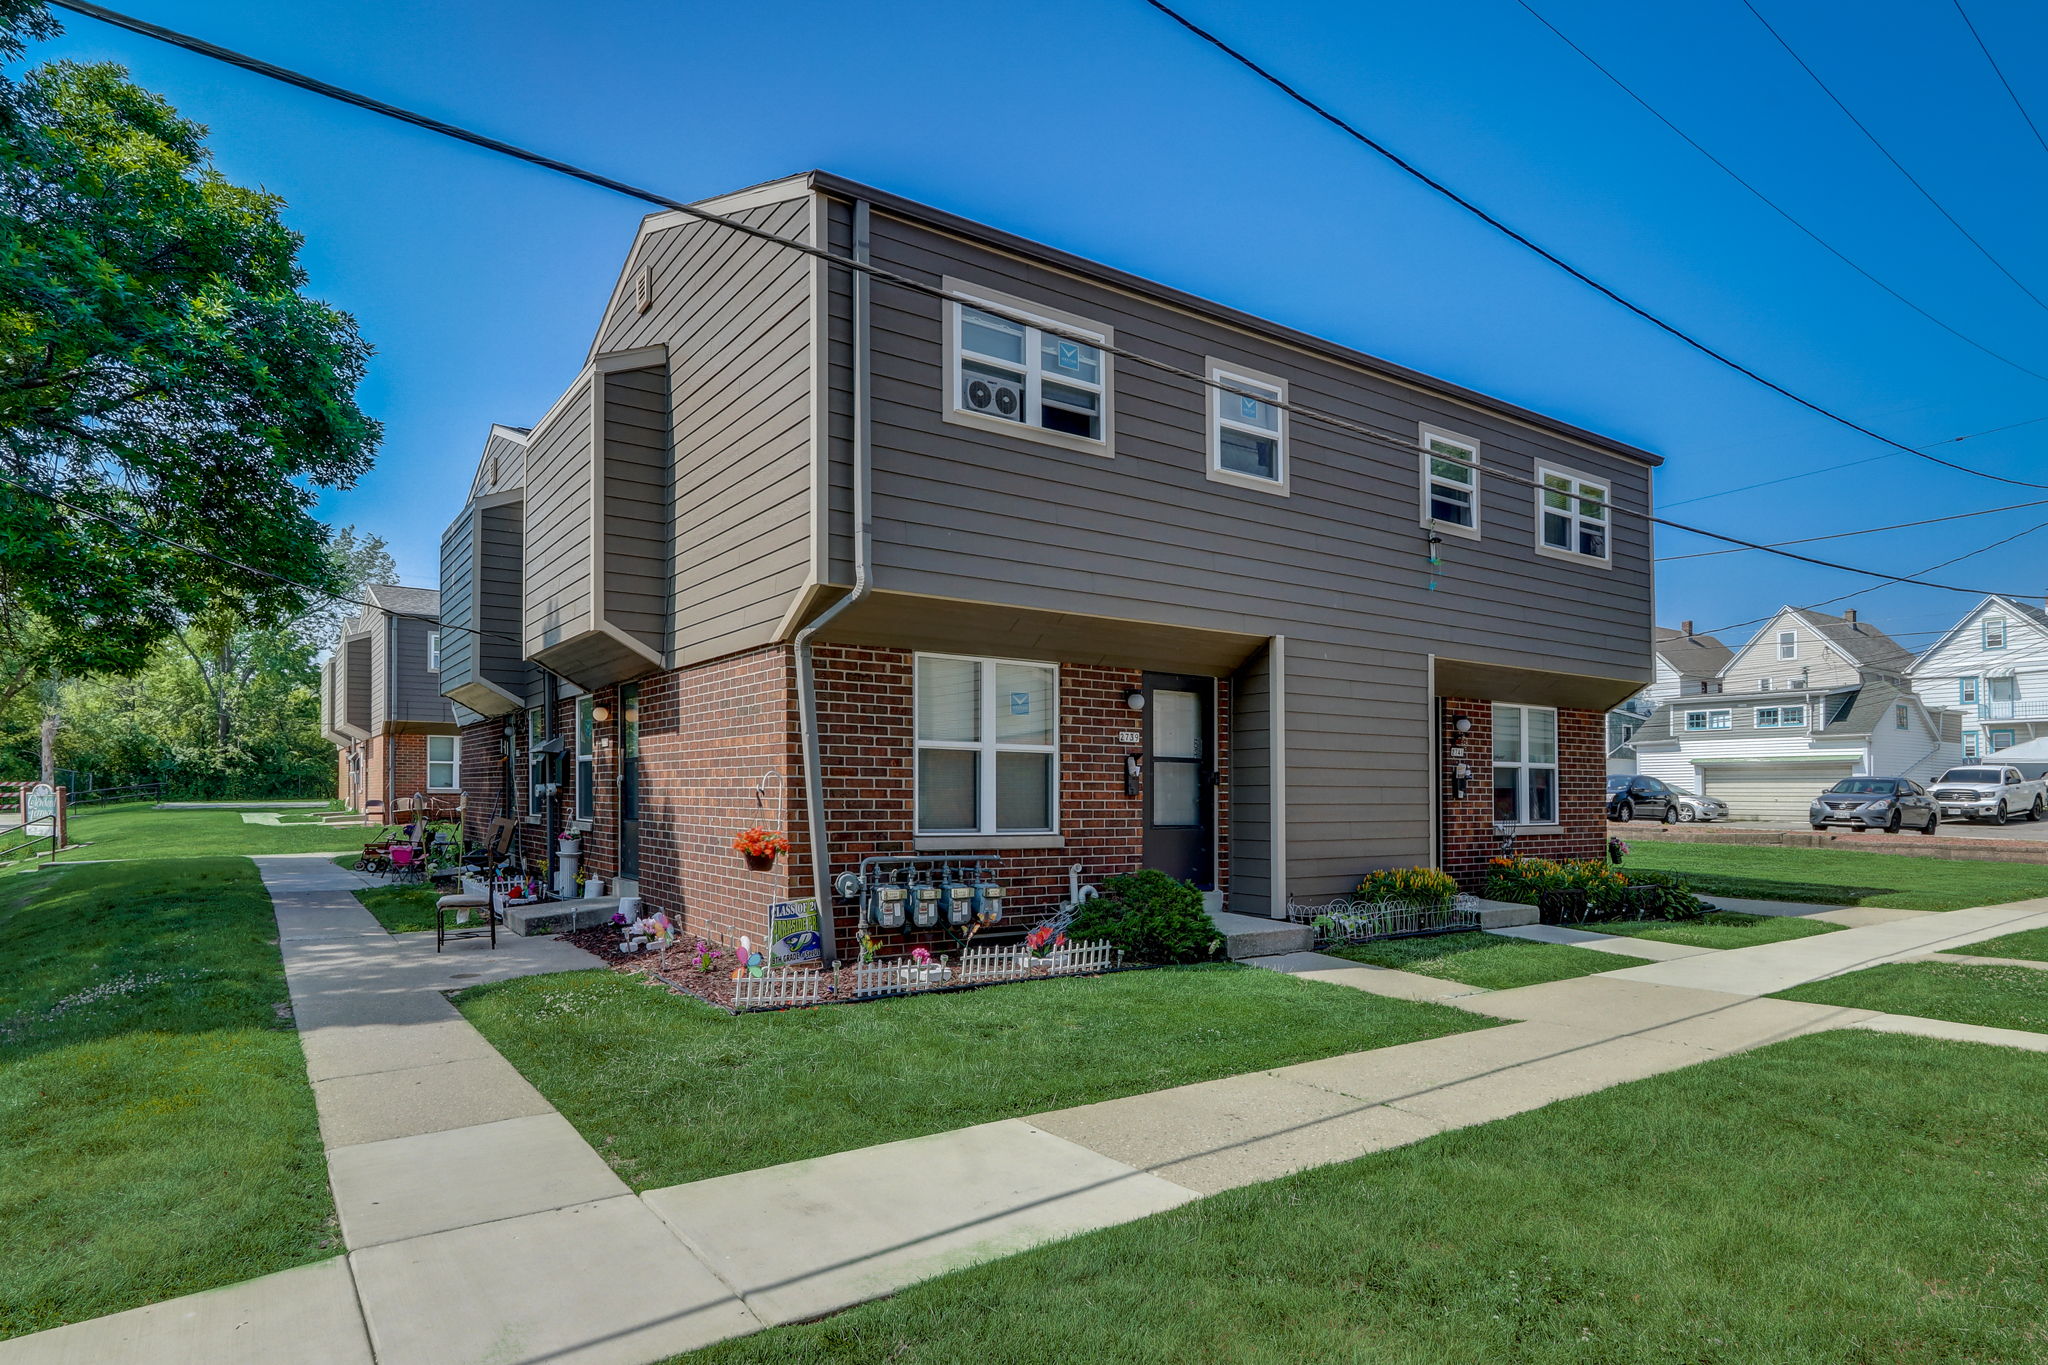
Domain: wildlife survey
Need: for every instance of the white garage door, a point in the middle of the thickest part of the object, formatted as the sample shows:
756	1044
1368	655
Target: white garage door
1771	791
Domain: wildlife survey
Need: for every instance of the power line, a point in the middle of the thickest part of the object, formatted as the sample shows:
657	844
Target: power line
1866	531
1851	464
1999	72
1404	444
1773	204
1670	329
1897	164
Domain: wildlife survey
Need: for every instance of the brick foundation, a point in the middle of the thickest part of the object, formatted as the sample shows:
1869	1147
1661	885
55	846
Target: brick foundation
1468	840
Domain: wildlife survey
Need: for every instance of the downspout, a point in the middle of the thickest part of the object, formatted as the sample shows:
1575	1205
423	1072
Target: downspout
806	682
551	696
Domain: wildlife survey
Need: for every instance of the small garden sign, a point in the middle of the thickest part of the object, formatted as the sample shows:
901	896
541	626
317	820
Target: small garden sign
794	939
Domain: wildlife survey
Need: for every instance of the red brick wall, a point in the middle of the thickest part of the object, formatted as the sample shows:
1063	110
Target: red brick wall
1468	837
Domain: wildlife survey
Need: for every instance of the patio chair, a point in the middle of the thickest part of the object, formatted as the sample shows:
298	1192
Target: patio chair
453	911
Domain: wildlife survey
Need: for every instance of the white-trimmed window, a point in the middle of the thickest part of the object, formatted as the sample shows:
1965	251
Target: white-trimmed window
1524	765
433	651
1021	377
1247	433
1709	720
444	763
1763	684
1780	717
1788	644
987	746
586	758
536	761
1571	514
1966	691
1450	490
1994	632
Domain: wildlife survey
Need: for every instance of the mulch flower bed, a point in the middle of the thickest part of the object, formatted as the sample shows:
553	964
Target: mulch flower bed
682	978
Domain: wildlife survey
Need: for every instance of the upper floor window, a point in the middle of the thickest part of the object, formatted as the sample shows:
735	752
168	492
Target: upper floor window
444	763
1709	720
1902	717
2001	739
1994	632
1247	433
1021	377
1780	717
433	651
1966	691
1971	747
1524	764
1763	684
1788	644
987	746
1450	485
1571	514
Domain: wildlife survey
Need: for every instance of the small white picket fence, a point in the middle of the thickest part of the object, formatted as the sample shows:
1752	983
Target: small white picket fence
781	988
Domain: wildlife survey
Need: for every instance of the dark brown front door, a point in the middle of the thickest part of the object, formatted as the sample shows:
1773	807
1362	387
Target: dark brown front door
1180	770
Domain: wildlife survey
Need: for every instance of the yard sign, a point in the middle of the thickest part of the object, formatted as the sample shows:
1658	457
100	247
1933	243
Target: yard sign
39	812
793	933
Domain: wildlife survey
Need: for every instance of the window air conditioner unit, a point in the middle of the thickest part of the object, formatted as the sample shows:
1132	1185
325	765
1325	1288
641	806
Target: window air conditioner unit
995	396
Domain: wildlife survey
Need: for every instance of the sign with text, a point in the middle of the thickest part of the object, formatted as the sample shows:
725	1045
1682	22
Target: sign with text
39	811
793	936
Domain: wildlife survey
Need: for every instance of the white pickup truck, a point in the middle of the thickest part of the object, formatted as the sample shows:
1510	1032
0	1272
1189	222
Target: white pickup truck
1988	791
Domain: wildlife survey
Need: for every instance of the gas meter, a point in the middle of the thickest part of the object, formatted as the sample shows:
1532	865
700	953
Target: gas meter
988	903
958	900
885	906
924	906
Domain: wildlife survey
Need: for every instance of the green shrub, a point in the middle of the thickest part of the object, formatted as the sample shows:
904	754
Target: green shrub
1152	917
1424	886
1522	880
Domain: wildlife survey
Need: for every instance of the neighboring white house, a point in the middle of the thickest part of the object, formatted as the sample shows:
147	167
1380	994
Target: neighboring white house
1992	666
1811	699
1687	664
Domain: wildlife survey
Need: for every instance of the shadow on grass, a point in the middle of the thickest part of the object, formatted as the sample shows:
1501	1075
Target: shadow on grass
1772	889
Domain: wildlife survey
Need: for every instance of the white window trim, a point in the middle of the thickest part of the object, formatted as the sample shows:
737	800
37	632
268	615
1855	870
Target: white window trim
1031	314
584	703
433	651
1425	434
1763	684
1984	632
1606	524
1972	744
1556	767
988	747
1782	717
1726	715
453	763
1221	372
1788	644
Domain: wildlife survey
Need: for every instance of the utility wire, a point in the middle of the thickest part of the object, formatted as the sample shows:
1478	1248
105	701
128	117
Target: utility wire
1897	165
1772	204
1581	276
1866	531
1851	464
1999	72
1395	441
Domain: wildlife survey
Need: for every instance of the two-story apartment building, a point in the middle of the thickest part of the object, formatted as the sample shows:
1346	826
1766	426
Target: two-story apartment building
1685	663
395	736
933	563
1811	699
1992	668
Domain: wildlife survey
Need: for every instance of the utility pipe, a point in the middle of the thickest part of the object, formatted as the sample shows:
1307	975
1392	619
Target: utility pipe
806	681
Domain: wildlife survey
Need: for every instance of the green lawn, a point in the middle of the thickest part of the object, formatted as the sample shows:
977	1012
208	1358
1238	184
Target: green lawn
672	1090
401	909
157	1133
2001	997
1829	876
1485	960
1842	1199
141	832
2031	944
1723	930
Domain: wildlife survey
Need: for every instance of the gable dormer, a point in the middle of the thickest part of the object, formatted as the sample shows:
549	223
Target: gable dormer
1999	635
482	666
1801	649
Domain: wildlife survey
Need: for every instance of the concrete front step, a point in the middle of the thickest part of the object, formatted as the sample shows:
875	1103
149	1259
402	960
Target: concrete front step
559	917
1253	936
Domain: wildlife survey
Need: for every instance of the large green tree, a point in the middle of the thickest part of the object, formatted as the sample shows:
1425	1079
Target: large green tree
161	369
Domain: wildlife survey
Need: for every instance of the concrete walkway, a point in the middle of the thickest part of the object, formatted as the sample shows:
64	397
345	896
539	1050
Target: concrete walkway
482	1229
1621	945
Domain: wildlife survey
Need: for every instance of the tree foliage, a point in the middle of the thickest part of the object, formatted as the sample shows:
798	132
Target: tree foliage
159	368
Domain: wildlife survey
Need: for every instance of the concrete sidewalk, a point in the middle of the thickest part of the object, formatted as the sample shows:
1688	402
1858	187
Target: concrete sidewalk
1621	945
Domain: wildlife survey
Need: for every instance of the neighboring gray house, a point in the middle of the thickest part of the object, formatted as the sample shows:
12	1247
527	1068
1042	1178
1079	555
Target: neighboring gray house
1992	667
1811	699
1687	664
1051	538
394	734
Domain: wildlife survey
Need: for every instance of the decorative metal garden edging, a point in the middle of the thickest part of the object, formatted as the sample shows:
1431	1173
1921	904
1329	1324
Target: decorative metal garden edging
782	988
1350	920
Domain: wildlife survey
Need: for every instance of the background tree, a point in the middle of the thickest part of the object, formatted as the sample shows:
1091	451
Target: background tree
159	368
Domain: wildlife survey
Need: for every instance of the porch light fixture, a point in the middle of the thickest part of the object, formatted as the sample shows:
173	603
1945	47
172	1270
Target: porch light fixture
1462	724
1135	699
600	714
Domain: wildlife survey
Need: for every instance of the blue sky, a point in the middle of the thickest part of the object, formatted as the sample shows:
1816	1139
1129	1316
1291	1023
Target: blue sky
1101	128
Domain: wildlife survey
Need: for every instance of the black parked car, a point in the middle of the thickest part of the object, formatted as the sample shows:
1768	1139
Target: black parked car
1628	797
1886	803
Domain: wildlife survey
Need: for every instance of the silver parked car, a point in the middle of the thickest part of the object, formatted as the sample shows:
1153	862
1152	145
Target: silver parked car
1693	806
1886	803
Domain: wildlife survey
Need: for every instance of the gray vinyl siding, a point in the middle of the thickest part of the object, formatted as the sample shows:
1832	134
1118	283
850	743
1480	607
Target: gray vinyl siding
459	661
558	490
500	538
1251	789
635	532
1340	567
735	315
415	691
358	675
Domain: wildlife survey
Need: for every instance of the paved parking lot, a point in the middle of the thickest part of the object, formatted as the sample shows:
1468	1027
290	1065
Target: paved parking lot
2022	830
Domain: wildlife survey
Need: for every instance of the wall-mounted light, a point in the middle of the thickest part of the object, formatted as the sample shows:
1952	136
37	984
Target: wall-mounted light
600	714
1135	699
1462	724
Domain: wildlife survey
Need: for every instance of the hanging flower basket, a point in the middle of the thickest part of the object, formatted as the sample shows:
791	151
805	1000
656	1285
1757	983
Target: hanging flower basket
759	847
